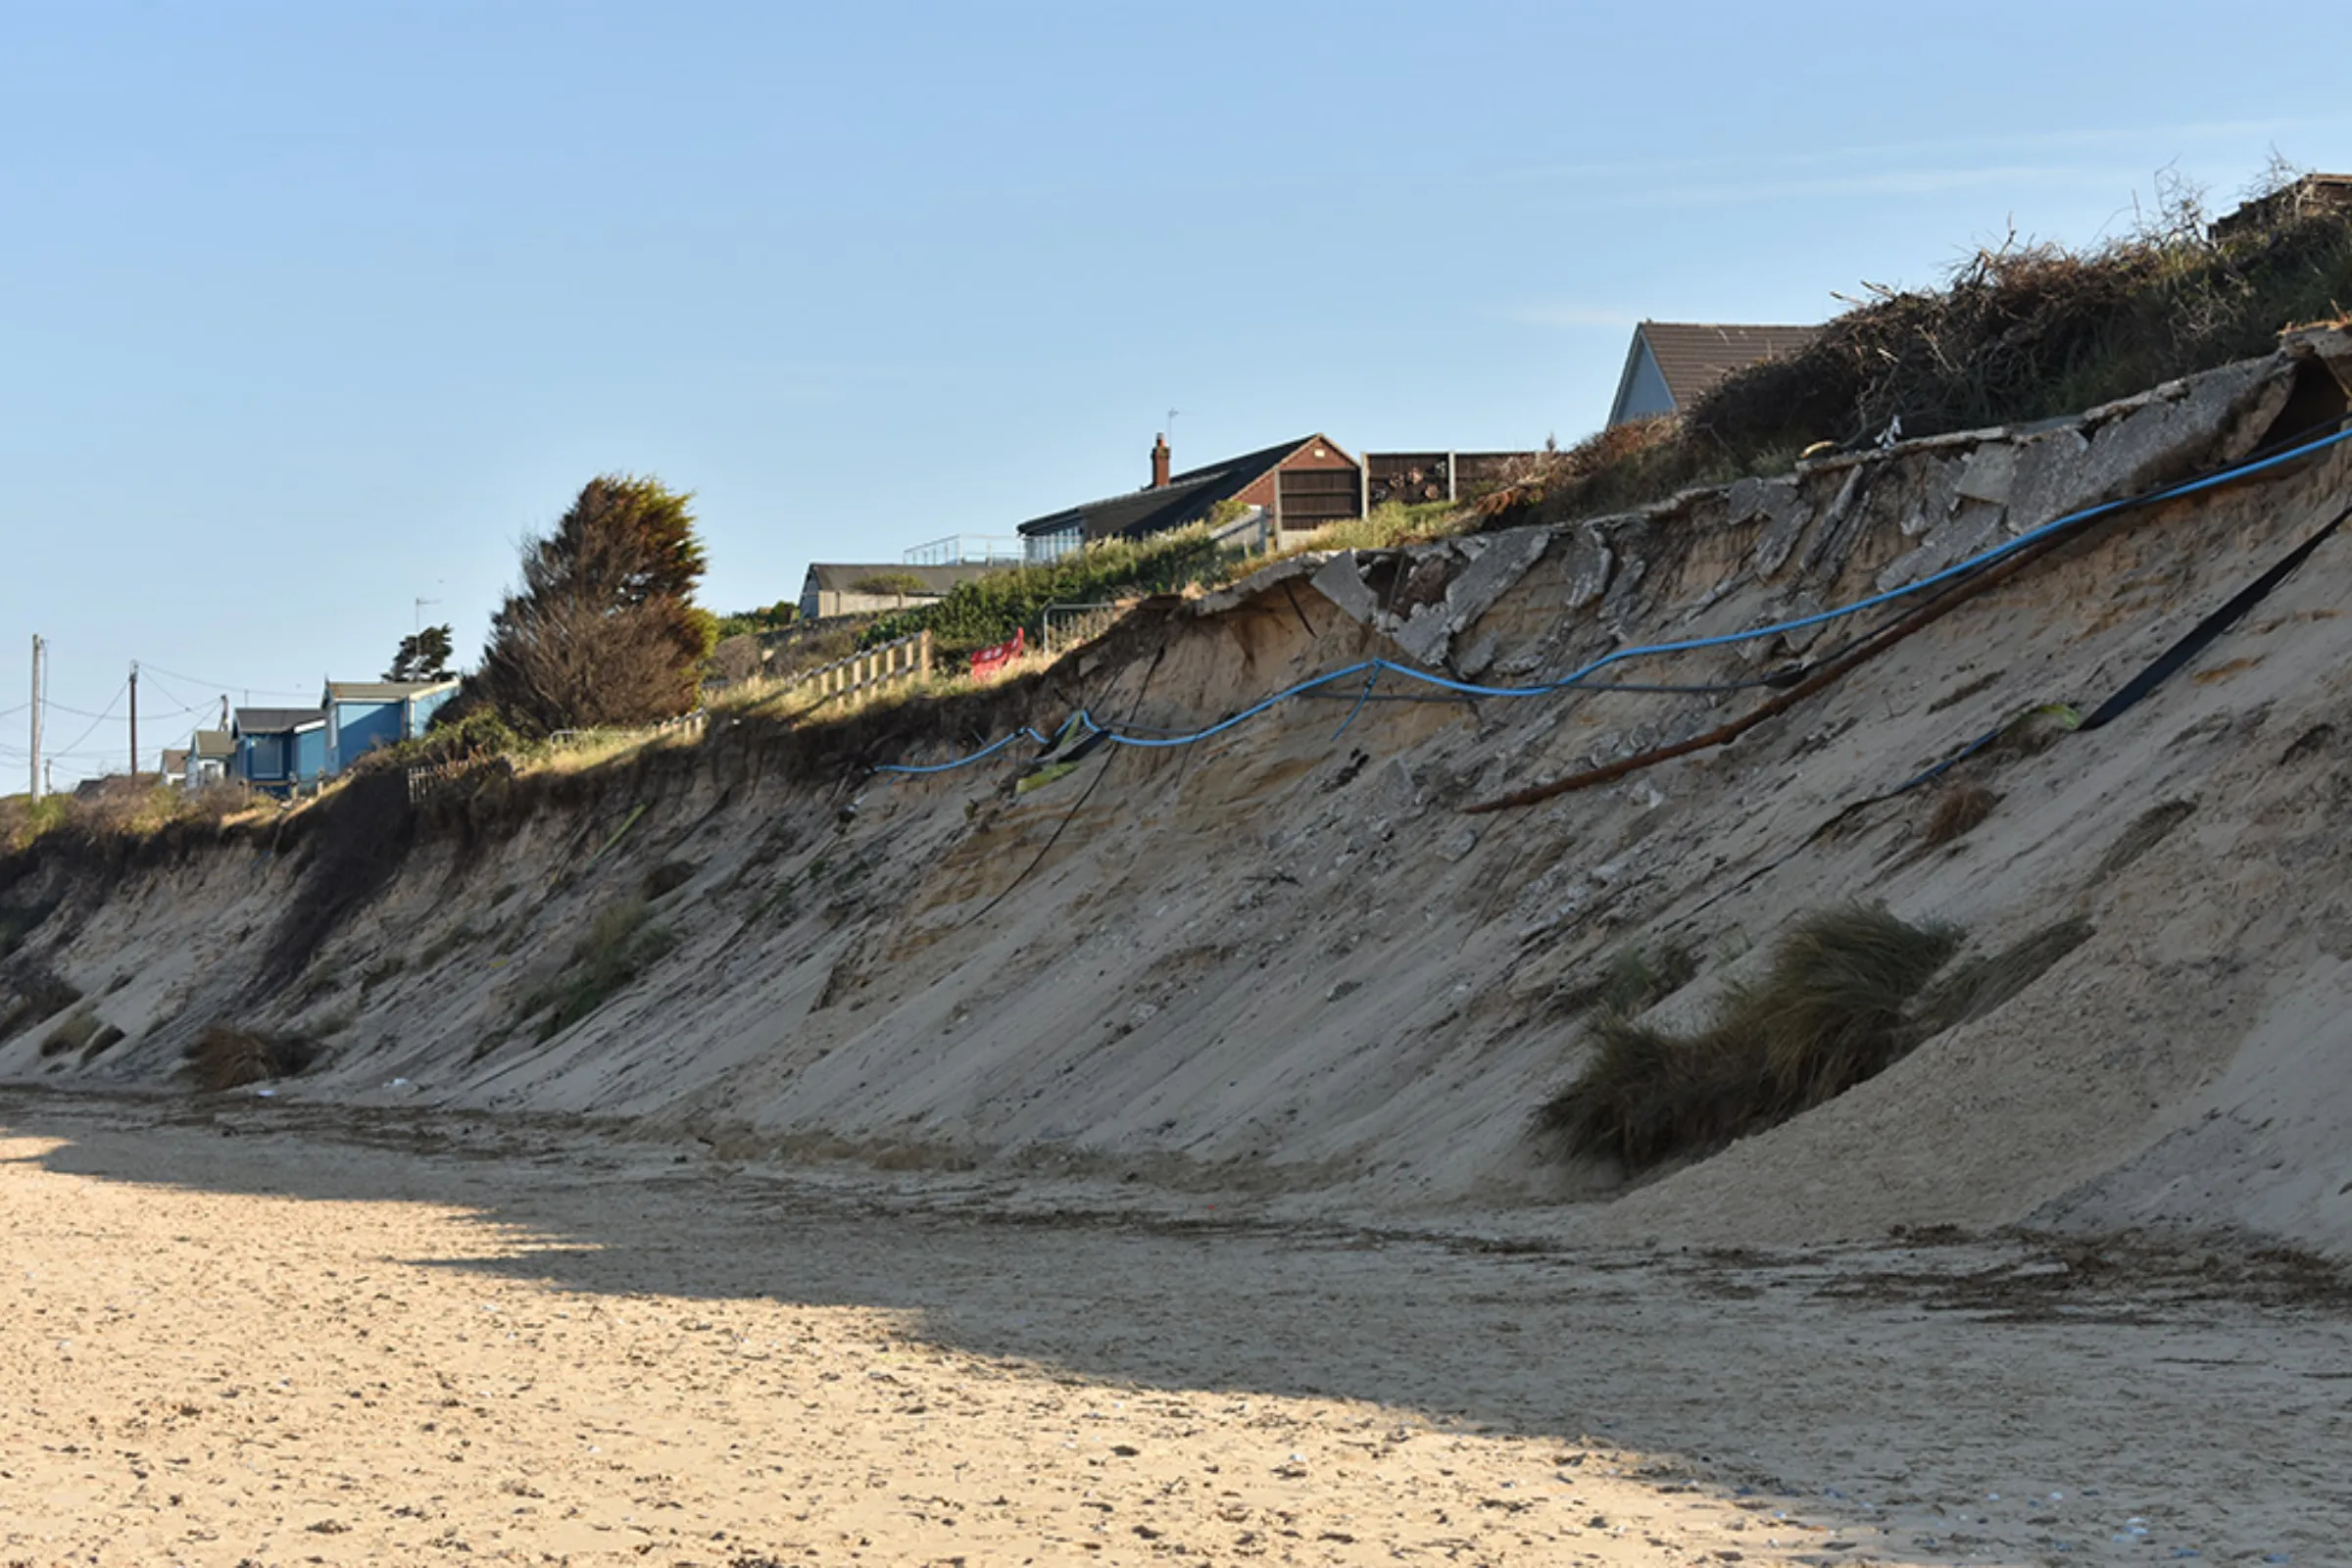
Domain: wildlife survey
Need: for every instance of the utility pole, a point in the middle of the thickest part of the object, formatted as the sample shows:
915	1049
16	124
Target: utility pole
38	649
134	719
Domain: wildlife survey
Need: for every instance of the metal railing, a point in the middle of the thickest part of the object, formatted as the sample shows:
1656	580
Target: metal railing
967	550
1062	627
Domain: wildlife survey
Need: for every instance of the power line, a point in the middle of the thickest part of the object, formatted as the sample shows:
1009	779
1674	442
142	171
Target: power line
100	719
222	685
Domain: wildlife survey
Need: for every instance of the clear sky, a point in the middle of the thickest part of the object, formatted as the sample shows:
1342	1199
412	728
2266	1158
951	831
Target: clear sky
309	310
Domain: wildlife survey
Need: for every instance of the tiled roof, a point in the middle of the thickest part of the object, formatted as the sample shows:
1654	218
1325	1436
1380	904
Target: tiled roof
1694	356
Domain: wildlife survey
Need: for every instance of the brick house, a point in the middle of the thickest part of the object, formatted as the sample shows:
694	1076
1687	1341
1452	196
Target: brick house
1296	487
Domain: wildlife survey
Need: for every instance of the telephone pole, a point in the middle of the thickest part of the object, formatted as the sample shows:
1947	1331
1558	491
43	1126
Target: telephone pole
134	721
38	649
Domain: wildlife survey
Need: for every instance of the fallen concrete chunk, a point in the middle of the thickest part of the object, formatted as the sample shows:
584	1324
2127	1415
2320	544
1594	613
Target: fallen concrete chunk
1990	474
1339	582
1496	570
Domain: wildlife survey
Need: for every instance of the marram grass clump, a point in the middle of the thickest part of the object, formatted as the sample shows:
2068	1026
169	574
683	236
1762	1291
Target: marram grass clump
225	1058
1833	1010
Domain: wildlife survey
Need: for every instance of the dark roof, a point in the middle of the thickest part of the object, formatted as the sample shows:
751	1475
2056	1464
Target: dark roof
381	691
1694	356
275	721
1185	498
837	577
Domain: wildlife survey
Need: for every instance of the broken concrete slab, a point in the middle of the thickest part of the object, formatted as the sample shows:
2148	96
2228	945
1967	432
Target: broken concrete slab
1339	580
1288	569
1990	474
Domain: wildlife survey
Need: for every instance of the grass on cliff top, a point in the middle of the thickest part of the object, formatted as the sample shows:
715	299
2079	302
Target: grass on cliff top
125	808
987	611
2023	332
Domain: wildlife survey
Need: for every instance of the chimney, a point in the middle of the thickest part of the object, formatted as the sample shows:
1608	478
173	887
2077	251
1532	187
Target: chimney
1159	462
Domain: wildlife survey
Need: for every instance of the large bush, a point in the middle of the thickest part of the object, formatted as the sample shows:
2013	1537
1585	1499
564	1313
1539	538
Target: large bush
604	629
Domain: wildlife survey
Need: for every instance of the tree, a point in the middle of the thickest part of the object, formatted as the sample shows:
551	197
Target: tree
423	657
749	622
604	629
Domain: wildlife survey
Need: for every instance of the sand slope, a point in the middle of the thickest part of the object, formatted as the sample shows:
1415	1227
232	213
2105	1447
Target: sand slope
1284	967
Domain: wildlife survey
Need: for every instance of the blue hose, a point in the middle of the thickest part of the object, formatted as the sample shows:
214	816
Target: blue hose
1376	666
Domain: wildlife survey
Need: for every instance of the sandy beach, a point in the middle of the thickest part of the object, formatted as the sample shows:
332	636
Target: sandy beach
267	1333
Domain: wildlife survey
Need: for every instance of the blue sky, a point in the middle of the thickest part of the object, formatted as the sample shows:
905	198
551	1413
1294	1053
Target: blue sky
309	311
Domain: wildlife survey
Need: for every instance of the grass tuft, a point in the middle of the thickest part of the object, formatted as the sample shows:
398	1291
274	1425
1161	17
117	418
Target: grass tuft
1959	812
225	1058
1829	1013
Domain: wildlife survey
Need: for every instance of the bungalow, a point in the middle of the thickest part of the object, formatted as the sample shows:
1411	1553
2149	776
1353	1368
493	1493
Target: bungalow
1672	365
834	588
363	714
1298	487
278	750
211	756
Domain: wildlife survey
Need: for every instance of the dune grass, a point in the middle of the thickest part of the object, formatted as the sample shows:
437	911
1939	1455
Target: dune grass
1831	1010
1959	812
225	1056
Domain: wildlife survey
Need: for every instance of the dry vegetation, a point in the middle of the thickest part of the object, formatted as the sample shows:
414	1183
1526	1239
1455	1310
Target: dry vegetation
2023	332
225	1058
1959	812
1846	994
127	808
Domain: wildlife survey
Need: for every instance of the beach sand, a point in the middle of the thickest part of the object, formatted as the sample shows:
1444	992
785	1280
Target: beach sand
272	1334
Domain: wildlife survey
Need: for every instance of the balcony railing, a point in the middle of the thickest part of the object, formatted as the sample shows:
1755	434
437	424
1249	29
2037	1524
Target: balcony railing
968	550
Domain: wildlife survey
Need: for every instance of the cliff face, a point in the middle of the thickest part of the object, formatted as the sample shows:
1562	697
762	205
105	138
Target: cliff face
1284	961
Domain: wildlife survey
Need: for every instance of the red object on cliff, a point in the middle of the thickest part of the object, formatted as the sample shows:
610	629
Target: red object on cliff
989	663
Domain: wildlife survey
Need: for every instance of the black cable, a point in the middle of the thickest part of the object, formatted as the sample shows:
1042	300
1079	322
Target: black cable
1079	806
